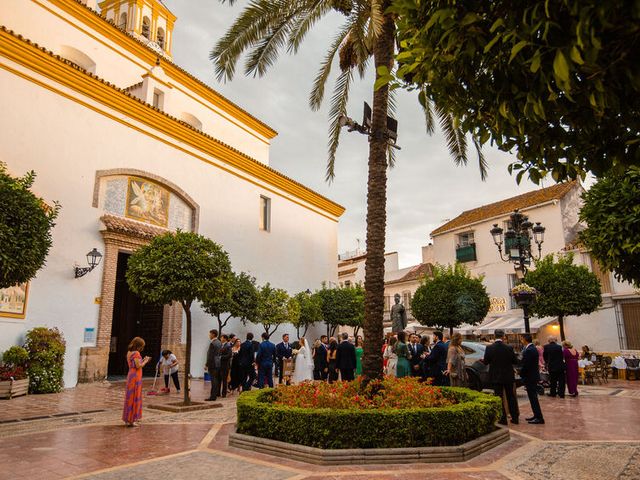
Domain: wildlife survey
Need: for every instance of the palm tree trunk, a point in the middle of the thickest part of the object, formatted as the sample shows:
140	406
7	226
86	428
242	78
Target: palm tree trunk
383	50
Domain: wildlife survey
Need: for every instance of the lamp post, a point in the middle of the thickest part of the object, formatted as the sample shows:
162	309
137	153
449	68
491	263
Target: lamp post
517	249
93	260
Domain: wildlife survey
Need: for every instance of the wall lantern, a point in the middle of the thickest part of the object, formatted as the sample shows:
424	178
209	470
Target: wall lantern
93	260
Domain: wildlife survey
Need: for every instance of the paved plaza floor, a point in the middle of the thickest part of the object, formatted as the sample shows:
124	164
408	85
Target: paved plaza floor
78	434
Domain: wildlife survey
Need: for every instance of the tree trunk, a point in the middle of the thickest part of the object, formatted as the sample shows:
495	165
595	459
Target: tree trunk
332	330
450	332
561	323
220	325
186	388
383	50
356	330
306	327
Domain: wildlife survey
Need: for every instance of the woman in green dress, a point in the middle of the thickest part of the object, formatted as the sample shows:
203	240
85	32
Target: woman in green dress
403	368
359	353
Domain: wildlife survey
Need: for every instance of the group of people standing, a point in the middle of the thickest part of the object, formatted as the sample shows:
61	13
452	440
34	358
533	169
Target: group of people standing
561	363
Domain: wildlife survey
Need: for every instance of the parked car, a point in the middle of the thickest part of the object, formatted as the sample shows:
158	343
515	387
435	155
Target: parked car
478	372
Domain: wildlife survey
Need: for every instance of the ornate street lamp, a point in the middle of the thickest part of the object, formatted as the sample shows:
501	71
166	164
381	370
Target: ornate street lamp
93	260
517	249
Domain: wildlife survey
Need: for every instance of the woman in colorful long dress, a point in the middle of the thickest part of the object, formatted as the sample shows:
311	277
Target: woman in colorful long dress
133	398
571	357
359	353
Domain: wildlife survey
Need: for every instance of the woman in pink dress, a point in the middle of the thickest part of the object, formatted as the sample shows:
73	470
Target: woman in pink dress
571	357
132	411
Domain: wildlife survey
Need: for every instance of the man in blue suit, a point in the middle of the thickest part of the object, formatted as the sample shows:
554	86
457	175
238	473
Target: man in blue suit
265	358
530	374
246	362
436	362
283	350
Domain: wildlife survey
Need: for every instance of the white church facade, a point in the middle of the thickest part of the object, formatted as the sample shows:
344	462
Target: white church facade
133	146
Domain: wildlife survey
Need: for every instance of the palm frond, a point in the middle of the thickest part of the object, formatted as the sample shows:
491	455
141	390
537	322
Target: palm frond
316	10
427	109
267	49
377	17
483	165
339	101
317	92
456	141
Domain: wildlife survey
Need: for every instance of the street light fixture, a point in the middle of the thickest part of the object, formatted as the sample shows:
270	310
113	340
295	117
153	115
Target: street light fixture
517	249
391	133
93	260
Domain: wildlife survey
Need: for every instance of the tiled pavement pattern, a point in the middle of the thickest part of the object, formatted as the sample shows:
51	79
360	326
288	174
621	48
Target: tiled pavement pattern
594	436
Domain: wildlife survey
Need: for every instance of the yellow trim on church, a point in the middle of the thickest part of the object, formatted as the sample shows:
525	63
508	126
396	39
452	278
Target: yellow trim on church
99	25
57	70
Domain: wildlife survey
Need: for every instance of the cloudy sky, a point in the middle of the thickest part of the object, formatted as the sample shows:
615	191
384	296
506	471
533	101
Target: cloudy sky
425	188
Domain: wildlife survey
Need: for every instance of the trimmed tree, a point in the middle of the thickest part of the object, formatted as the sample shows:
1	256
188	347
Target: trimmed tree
275	308
342	306
240	301
310	311
25	229
611	210
450	298
563	289
180	267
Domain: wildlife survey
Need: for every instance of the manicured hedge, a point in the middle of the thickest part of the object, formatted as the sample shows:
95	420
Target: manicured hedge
474	415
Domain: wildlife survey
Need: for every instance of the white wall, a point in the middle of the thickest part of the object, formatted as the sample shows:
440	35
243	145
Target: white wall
65	143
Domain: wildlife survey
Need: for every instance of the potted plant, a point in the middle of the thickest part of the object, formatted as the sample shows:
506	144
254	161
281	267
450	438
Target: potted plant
14	380
524	294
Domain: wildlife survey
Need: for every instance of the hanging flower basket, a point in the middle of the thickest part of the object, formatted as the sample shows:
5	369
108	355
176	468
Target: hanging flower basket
524	294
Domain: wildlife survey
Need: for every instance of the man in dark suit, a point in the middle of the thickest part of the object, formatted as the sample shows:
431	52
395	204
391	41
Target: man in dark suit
225	363
436	361
554	359
265	359
213	364
501	358
416	351
283	350
530	374
346	358
246	362
320	363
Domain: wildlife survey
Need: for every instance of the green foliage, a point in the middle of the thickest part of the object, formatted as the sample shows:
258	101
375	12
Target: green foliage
46	348
310	311
342	306
181	267
557	81
450	298
16	357
612	211
563	288
474	415
25	229
239	301
275	308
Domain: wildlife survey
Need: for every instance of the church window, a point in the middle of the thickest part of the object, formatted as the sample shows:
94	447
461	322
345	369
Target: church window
123	21
158	99
265	213
146	27
160	38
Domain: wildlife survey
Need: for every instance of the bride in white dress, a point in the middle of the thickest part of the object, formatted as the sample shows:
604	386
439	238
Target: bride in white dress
304	363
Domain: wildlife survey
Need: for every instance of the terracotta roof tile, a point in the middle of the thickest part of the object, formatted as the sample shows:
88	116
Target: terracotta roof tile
506	206
416	273
128	226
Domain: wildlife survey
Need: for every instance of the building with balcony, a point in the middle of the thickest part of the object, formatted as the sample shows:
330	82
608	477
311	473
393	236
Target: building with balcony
466	239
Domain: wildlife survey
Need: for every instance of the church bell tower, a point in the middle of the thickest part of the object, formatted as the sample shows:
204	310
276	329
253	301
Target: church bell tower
148	20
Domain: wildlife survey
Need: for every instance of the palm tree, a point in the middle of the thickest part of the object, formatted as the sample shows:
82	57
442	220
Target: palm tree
264	28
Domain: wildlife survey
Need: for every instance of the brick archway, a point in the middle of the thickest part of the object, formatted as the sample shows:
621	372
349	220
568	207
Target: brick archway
124	235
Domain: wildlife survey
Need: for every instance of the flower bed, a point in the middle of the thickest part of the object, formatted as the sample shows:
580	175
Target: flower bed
341	418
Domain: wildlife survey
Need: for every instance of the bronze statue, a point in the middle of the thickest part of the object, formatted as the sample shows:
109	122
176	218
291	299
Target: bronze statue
398	315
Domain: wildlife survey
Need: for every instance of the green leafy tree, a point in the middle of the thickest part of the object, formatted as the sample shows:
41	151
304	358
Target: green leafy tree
563	289
450	298
611	210
267	27
342	306
275	308
239	301
25	229
46	348
310	311
180	267
557	81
